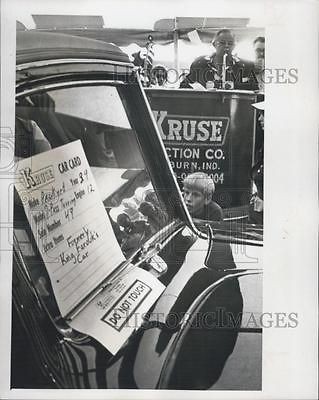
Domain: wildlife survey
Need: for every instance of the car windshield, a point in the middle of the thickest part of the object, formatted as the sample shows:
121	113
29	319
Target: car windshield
96	116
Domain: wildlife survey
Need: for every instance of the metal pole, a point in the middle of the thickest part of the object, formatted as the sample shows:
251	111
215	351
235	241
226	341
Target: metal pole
176	61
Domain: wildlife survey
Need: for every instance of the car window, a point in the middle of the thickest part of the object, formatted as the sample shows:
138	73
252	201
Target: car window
96	116
70	101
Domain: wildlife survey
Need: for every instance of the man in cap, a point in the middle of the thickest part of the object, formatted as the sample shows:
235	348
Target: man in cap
222	70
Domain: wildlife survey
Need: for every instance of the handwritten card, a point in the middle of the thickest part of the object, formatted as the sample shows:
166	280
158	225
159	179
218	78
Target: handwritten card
70	225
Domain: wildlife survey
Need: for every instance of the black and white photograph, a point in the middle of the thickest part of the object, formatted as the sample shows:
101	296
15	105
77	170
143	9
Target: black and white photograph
141	253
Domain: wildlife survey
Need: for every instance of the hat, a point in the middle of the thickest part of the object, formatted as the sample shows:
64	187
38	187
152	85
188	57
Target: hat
260	105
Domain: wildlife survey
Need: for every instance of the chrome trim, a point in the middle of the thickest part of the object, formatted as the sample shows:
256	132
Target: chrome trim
148	252
210	243
68	84
45	63
247	242
170	358
163	236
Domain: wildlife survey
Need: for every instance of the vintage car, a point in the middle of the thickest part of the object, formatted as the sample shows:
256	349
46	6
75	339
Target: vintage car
198	334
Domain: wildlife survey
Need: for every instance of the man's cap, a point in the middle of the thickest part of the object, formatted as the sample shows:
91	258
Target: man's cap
260	105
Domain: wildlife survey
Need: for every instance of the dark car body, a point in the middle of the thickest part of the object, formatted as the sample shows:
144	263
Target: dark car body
196	335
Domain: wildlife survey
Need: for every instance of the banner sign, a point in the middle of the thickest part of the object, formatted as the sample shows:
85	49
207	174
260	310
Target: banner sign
211	132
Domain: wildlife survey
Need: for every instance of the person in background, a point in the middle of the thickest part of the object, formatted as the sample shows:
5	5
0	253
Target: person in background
132	227
208	70
143	59
198	190
156	218
133	233
158	76
29	139
259	49
256	206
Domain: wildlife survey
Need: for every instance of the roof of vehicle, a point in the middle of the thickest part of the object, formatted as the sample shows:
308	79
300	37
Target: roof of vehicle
39	46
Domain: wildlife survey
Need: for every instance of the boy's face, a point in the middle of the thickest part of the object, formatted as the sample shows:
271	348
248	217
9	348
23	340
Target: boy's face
194	199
